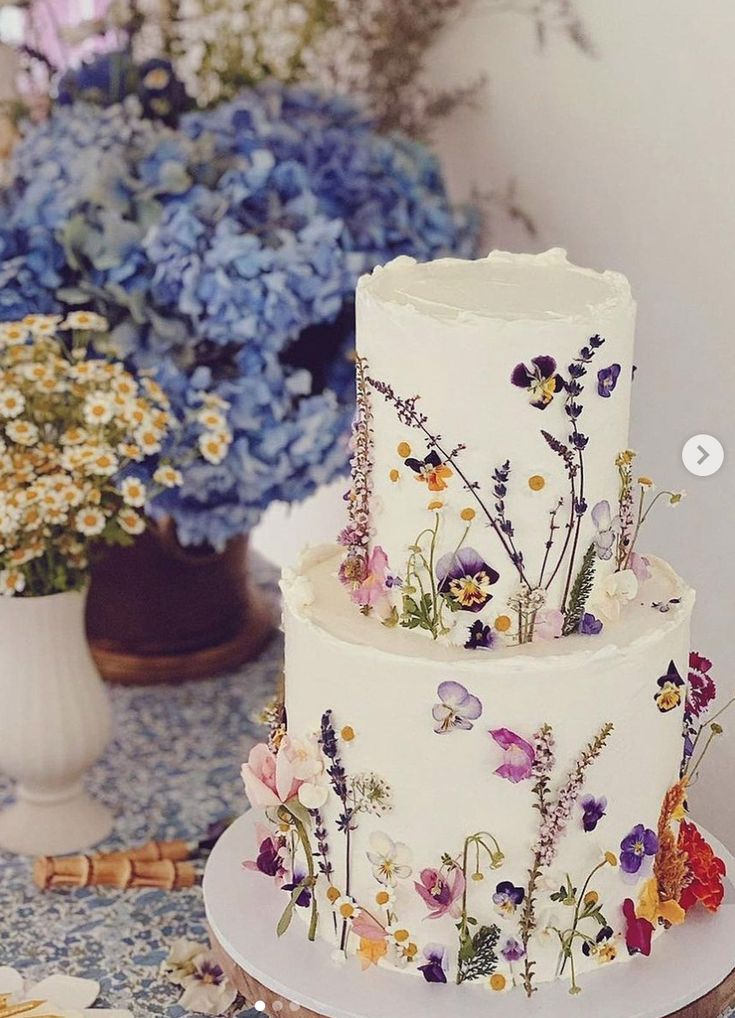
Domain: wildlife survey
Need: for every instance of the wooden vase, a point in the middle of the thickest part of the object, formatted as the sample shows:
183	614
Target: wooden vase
159	612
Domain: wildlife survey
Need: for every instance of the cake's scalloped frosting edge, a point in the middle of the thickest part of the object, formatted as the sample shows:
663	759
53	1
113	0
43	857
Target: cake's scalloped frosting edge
313	593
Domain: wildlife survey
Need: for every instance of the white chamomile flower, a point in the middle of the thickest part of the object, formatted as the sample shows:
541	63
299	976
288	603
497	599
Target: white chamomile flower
102	464
42	325
12	402
213	446
149	440
131	522
346	908
385	897
90	521
88	321
22	432
12	581
168	477
212	419
13	333
98	409
133	492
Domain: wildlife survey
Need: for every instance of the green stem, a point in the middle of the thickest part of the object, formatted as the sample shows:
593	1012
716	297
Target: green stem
304	839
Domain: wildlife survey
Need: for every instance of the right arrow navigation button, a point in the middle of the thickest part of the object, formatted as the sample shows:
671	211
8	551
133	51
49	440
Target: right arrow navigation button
703	455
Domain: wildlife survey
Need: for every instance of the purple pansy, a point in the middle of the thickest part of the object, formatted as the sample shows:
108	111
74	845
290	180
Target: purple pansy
507	897
607	527
465	579
605	934
518	757
513	950
480	636
269	860
435	968
304	898
590	625
540	379
593	810
635	847
457	710
607	379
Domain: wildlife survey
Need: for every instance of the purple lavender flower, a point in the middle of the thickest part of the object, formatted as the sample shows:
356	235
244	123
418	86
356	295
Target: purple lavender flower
507	897
481	636
607	379
634	848
513	950
593	810
458	708
435	969
540	379
465	579
590	625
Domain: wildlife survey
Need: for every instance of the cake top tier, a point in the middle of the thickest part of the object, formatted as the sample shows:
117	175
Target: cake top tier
491	448
504	286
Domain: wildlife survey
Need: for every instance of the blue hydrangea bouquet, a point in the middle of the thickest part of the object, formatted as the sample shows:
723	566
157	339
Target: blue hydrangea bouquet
223	245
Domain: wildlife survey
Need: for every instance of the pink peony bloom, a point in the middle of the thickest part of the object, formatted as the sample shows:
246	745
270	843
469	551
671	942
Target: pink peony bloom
548	625
441	893
373	590
519	755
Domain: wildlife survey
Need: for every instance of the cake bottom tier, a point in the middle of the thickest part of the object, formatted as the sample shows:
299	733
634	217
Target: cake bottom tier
488	818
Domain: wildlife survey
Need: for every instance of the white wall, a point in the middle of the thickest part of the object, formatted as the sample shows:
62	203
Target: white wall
628	160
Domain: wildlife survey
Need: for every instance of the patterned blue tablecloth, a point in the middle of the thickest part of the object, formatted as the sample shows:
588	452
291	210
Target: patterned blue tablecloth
171	769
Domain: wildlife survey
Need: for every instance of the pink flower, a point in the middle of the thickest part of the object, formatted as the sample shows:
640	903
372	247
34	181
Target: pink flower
519	755
271	850
548	624
367	928
641	567
441	893
296	771
372	592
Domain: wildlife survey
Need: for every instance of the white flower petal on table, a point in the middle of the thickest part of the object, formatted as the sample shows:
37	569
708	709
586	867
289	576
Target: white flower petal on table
207	998
66	991
11	981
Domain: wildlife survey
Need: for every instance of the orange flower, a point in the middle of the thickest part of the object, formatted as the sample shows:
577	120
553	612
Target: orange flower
371	951
705	870
651	907
670	866
431	471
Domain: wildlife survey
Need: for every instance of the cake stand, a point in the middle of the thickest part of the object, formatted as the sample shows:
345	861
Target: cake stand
692	978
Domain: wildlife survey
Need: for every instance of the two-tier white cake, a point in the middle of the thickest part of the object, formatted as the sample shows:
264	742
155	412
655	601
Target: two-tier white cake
480	774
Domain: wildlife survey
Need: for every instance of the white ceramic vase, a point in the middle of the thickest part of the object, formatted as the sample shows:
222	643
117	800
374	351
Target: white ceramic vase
54	723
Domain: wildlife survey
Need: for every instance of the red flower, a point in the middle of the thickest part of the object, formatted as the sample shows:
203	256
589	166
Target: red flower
702	689
705	870
638	932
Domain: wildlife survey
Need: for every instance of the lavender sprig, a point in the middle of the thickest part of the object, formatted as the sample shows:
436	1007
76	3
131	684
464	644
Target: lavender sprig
408	414
338	778
501	476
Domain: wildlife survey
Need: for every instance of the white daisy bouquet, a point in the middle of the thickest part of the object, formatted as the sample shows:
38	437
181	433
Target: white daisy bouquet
72	429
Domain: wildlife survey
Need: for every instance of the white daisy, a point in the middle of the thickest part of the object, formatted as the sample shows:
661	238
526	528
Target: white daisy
98	408
131	522
133	492
22	432
89	321
12	581
90	521
168	477
12	402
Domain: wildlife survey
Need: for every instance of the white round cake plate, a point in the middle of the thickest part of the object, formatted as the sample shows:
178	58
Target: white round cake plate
243	911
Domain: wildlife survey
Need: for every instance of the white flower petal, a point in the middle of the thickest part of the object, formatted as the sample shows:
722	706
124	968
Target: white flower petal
66	991
11	981
382	845
313	796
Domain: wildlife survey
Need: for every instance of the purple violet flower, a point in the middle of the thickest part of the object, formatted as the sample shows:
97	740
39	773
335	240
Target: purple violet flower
457	710
435	969
590	625
635	847
513	950
540	379
593	810
481	636
507	897
465	579
607	379
605	934
304	898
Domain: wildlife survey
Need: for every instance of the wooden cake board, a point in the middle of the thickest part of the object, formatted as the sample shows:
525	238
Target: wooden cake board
694	978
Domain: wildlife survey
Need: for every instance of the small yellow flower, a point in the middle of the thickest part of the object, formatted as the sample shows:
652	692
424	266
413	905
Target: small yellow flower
435	504
149	440
625	458
401	936
74	436
498	982
536	482
468	515
98	409
645	482
382	898
347	734
130	451
611	859
104	464
346	908
394	475
404	450
212	420
503	623
591	898
333	895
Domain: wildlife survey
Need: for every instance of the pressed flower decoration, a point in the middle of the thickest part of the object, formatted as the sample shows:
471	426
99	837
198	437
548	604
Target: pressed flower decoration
457	708
431	471
635	847
593	810
206	988
465	579
670	692
518	755
540	379
607	380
